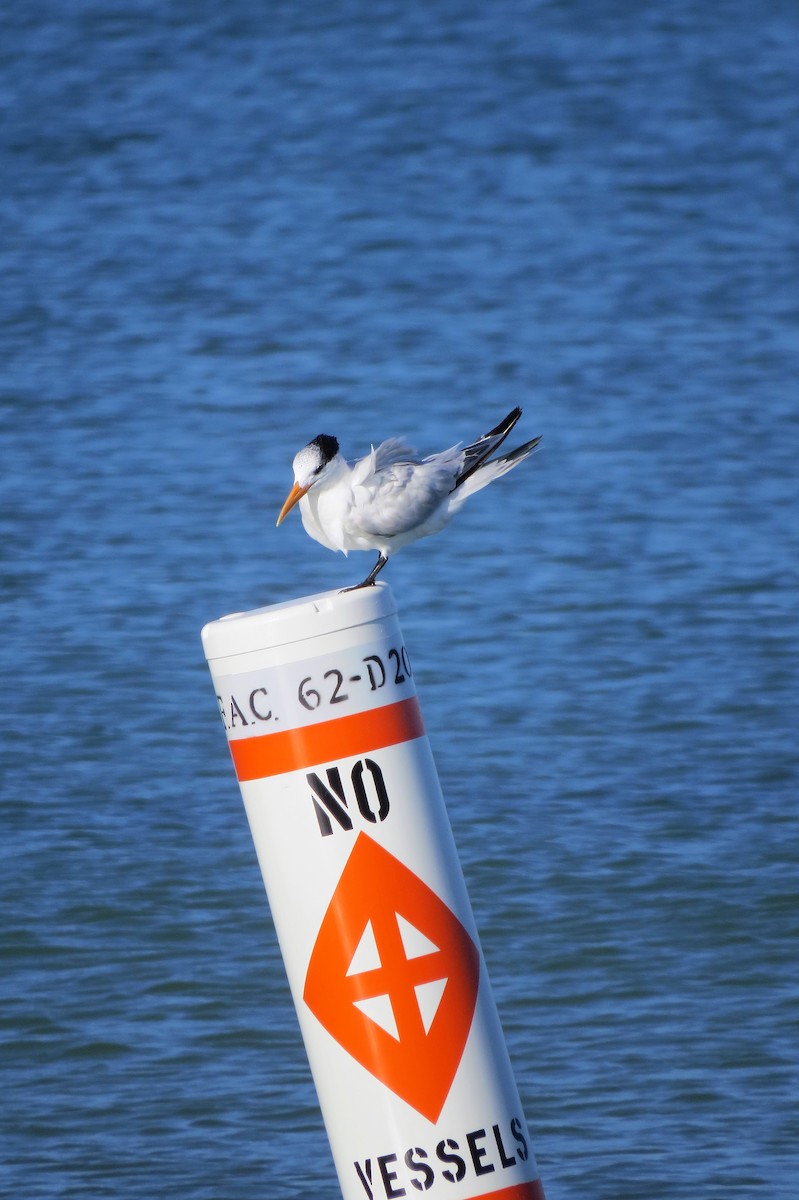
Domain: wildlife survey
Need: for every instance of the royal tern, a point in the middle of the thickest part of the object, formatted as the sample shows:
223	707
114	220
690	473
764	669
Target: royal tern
391	497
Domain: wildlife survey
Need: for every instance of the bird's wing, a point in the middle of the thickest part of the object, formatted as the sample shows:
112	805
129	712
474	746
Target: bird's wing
395	450
400	497
479	452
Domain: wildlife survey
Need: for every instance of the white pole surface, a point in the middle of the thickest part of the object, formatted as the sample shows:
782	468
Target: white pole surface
368	900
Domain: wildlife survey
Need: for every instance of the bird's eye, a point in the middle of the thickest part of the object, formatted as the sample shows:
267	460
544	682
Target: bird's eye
317	470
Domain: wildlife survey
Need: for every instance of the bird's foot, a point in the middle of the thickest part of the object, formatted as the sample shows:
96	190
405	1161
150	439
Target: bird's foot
356	586
382	559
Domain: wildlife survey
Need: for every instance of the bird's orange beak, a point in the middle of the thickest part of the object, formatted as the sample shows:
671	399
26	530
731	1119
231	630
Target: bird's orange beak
294	495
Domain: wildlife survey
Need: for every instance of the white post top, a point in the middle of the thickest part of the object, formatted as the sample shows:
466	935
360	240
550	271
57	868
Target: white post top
296	620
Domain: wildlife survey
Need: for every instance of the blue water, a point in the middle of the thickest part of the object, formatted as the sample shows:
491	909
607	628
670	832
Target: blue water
227	228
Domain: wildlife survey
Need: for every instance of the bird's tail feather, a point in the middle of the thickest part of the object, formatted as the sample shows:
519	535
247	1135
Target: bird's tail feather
477	453
486	472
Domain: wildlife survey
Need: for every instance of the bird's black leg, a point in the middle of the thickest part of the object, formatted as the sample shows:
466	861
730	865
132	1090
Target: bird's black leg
382	559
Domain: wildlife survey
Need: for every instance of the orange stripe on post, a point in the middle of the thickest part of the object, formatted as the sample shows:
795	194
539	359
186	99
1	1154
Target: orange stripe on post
344	737
517	1191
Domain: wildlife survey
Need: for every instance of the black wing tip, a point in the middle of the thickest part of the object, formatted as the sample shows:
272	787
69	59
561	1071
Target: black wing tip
481	450
523	450
505	425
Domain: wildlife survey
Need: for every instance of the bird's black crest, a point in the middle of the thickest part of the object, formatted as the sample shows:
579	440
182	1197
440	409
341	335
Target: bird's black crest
327	444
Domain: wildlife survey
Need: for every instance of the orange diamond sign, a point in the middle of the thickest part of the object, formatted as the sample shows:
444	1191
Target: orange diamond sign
393	977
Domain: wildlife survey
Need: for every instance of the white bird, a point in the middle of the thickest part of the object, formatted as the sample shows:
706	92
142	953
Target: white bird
392	497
